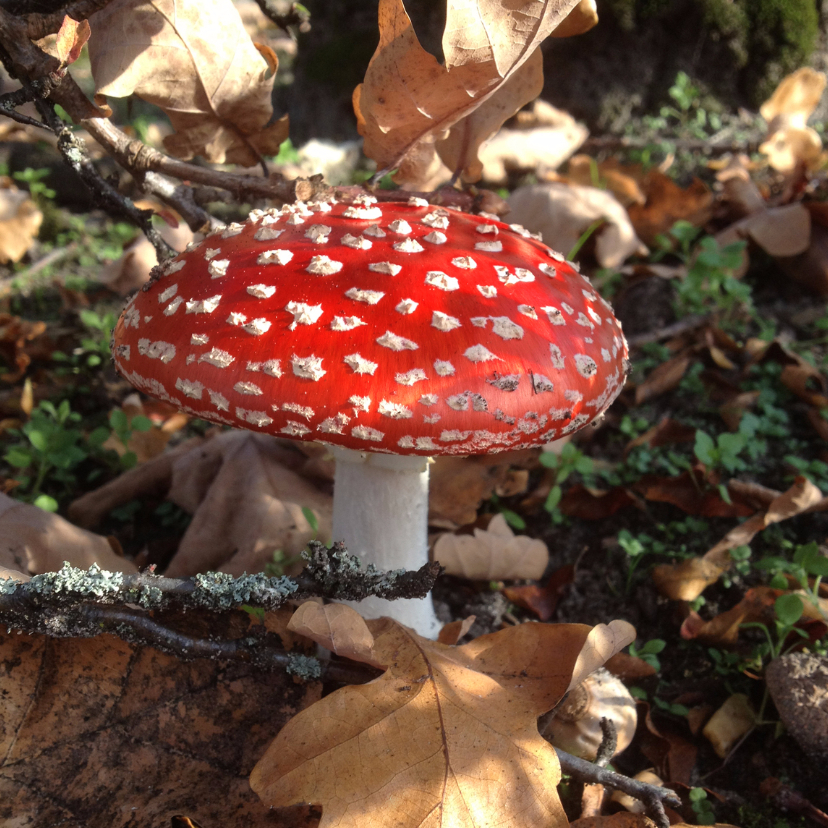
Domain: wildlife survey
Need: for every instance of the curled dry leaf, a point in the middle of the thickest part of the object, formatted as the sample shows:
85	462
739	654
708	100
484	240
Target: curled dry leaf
20	222
196	62
33	541
120	734
636	806
583	170
581	19
541	148
495	553
337	628
790	142
687	580
146	444
562	212
409	100
446	735
21	340
730	723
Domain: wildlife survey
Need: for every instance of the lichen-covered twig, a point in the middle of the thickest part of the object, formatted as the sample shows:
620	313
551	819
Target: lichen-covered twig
652	796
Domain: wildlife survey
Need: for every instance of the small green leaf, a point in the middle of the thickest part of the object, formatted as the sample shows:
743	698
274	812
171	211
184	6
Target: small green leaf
704	447
513	519
48	504
118	420
19	458
789	609
140	423
38	439
310	517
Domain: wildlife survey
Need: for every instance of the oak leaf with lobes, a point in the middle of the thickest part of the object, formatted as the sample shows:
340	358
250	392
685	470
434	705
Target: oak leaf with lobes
446	736
196	62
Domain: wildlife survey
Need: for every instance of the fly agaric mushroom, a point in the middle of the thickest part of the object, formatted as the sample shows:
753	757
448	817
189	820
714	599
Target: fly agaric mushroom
392	333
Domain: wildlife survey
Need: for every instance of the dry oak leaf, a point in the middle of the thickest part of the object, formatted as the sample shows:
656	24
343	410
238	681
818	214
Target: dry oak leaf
196	62
686	580
20	222
409	100
33	541
494	553
95	733
446	736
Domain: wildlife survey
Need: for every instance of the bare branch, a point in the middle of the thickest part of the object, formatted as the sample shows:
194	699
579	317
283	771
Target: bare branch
40	25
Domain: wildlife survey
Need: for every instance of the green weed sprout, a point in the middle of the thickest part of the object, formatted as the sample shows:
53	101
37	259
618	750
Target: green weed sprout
571	459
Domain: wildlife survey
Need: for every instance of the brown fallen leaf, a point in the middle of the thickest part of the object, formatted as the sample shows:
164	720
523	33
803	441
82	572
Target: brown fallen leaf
756	606
663	378
595	504
33	541
409	100
562	212
667	203
145	444
20	221
494	553
542	599
609	174
694	492
120	735
245	504
686	580
196	62
619	820
446	735
21	340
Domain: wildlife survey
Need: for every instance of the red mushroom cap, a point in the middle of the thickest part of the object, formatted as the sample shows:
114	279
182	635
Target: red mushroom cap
395	327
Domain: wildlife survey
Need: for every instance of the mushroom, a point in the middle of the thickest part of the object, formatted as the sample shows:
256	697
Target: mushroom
576	725
390	332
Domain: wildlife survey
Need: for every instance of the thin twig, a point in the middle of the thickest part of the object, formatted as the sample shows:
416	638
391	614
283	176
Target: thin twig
652	796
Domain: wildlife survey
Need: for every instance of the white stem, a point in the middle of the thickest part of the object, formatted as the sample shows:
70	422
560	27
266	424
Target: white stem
381	513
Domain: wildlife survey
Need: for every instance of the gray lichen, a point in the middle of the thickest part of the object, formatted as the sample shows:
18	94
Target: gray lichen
304	667
94	583
220	591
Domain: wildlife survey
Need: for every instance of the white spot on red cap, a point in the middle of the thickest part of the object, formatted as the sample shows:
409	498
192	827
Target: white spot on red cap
335	424
479	353
309	367
489	246
406	306
454	436
416	201
165	351
487	291
294	219
396	343
388	268
199	339
318	233
464	262
248	388
527	310
296	408
431	418
444	322
294	429
370	297
479	321
171	266
203	305
363	213
435	237
236	318
540	383
400	226
506	382
359	364
256	418
586	365
394	410
364	433
596	318
443	368
503	327
232	229
346	323
360	403
555	316
557	356
356	242
584	321
323	266
303	314
438	279
166	294
428	399
173	306
374	230
408	246
277	257
267	234
219	400
261	291
256	327
271	367
411	377
438	220
568	308
549	270
459	402
190	389
211	253
218	268
487	229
